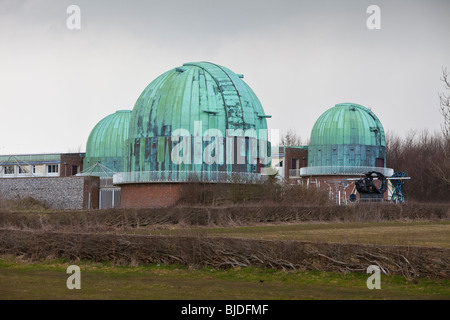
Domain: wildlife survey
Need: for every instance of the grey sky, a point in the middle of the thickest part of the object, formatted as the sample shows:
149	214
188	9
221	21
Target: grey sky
300	58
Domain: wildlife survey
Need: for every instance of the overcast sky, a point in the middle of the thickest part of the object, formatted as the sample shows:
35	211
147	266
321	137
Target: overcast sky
299	57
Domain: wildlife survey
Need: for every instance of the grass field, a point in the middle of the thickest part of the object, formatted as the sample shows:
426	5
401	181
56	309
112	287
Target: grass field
428	234
22	278
47	280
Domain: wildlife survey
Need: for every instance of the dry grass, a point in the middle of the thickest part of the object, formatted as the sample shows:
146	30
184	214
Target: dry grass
426	234
270	192
21	204
208	216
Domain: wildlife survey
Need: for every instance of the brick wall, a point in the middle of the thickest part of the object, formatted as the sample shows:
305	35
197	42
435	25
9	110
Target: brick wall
297	154
69	193
68	160
152	195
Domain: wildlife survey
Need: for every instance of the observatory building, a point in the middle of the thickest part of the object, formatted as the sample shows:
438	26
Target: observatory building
199	122
347	141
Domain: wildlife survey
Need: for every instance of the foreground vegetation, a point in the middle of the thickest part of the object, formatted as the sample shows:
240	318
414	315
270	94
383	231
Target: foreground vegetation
47	280
246	251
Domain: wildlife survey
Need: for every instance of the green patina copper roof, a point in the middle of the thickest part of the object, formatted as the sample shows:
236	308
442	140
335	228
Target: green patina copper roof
30	158
347	135
196	92
179	98
106	141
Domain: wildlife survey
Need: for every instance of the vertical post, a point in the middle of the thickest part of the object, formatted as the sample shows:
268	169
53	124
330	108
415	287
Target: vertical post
113	192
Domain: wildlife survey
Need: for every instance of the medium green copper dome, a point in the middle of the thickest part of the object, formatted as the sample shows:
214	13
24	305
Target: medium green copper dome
106	142
347	135
194	98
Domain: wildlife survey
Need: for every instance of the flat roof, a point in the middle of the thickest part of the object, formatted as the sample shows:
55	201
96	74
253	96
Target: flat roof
33	158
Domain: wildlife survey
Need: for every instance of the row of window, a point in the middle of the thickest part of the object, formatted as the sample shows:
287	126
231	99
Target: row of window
26	169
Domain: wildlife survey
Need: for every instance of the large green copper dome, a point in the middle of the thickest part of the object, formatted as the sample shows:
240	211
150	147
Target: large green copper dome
195	98
347	135
106	142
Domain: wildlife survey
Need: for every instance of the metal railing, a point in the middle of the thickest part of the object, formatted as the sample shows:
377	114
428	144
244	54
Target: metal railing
338	170
28	175
187	176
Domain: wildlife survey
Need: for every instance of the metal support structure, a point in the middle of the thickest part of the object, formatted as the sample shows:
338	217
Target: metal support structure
105	171
397	181
337	190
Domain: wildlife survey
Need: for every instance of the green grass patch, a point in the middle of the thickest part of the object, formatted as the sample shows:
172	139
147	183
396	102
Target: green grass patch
47	280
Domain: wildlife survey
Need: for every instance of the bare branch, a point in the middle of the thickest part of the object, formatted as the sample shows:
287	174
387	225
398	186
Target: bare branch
290	138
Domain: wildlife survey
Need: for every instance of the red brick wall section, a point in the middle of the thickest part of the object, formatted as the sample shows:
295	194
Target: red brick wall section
91	193
297	154
67	161
153	195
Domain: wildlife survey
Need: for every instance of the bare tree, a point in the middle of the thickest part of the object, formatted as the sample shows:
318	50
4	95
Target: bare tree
421	154
290	138
442	167
445	103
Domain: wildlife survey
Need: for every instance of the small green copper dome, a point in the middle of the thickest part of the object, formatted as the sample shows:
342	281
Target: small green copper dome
106	142
347	135
193	98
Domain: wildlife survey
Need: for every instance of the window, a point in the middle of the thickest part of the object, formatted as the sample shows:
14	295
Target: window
295	163
379	162
52	168
9	170
38	169
23	169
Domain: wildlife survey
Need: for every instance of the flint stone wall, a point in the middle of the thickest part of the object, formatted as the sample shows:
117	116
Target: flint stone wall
68	193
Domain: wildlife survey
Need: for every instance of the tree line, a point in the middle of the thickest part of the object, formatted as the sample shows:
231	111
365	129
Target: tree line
425	156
